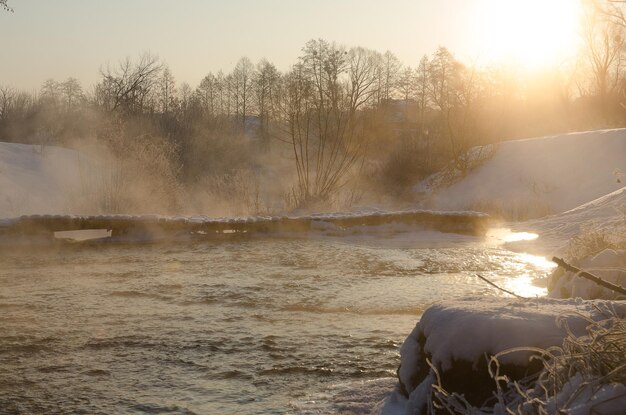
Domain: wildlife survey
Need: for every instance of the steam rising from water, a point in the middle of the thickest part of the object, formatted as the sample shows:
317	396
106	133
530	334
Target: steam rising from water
249	326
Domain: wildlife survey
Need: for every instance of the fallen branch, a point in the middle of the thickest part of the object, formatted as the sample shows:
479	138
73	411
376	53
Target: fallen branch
500	288
617	288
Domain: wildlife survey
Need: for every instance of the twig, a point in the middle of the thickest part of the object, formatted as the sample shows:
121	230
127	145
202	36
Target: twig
500	288
617	288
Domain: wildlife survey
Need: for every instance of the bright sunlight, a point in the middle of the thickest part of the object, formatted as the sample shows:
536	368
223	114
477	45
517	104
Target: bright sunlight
532	33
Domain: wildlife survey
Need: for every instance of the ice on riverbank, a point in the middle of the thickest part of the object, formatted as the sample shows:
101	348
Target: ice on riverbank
578	178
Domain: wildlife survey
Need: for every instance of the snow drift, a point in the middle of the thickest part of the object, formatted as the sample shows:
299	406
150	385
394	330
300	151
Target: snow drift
610	265
604	214
538	176
37	179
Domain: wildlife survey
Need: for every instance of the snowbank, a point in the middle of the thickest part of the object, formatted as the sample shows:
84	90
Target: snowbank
607	213
37	179
610	265
458	336
540	175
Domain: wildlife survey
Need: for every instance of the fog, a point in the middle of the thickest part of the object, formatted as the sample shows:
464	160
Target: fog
344	127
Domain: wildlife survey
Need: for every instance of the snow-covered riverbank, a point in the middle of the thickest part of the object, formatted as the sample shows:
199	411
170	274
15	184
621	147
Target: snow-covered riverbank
545	175
578	178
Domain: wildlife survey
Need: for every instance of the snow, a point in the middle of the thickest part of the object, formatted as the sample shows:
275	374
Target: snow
604	213
467	329
610	265
547	174
37	179
587	399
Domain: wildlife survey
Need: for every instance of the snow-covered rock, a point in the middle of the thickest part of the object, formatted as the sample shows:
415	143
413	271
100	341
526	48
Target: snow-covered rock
459	336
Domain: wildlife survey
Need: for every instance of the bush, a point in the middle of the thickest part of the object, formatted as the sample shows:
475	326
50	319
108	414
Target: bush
140	176
405	166
592	241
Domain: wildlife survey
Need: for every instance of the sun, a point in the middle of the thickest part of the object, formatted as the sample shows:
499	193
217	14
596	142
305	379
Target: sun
530	33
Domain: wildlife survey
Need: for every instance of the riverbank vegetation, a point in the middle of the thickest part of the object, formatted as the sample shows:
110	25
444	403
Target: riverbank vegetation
342	126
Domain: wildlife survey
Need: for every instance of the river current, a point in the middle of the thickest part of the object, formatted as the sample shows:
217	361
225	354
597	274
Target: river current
239	326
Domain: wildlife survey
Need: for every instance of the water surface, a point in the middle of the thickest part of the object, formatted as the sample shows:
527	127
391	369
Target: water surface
246	326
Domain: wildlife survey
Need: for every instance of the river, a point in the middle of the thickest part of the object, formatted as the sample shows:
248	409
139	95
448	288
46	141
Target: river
239	326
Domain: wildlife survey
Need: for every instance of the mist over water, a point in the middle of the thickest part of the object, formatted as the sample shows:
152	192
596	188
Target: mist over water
249	326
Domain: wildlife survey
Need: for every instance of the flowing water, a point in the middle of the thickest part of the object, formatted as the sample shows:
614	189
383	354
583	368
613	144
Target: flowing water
245	326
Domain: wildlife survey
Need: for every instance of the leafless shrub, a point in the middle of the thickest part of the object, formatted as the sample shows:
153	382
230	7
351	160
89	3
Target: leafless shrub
139	177
403	167
236	193
592	241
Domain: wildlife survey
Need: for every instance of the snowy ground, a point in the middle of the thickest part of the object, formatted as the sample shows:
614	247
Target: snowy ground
540	175
575	177
37	179
606	213
572	183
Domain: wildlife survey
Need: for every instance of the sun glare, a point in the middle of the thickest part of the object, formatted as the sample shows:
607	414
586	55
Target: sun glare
530	33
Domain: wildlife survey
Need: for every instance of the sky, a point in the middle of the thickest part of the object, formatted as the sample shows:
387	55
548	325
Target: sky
74	38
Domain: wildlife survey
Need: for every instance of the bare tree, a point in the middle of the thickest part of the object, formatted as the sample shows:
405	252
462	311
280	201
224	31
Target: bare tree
421	87
50	92
221	85
72	92
325	132
464	132
5	6
185	97
362	75
406	83
389	74
127	88
208	94
6	100
604	37
266	79
443	69
167	91
242	86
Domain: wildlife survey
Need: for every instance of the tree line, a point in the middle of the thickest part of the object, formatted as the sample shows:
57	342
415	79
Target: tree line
342	117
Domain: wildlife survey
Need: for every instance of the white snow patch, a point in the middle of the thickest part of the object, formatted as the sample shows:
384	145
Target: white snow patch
37	179
468	329
546	174
607	213
610	265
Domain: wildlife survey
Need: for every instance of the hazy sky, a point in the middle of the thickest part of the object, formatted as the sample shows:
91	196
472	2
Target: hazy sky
62	38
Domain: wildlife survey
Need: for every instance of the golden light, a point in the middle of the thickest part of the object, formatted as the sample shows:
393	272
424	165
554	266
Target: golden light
525	285
499	236
530	33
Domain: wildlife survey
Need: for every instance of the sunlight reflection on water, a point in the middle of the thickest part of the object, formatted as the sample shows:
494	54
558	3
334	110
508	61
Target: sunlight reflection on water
522	284
525	285
504	235
247	326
